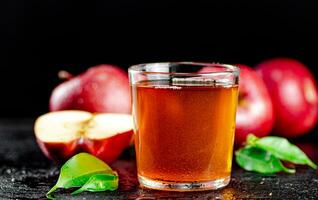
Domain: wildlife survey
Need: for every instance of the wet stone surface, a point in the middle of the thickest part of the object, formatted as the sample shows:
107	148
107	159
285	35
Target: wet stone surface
26	174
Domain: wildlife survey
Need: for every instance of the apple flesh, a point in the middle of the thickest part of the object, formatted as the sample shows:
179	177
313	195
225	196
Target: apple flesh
294	95
108	125
62	134
103	88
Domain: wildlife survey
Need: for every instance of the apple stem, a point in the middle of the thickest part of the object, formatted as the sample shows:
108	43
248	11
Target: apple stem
64	75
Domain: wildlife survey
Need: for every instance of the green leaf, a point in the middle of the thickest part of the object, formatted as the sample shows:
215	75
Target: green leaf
99	183
281	148
78	170
259	160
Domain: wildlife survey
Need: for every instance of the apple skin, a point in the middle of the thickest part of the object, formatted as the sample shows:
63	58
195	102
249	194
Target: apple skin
100	147
309	149
103	88
62	134
294	95
108	149
58	151
255	112
64	95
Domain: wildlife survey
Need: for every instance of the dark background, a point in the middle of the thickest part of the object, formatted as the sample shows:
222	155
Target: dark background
39	38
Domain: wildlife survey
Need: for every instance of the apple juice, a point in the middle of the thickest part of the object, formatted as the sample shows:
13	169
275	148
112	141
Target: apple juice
184	133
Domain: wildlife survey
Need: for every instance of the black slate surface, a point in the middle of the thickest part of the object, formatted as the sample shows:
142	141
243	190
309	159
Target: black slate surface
26	174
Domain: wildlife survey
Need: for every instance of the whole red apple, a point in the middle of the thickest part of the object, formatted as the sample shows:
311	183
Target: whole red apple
103	88
294	95
255	110
62	134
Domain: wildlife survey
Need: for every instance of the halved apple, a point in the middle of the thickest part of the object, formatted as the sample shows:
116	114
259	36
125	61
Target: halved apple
62	134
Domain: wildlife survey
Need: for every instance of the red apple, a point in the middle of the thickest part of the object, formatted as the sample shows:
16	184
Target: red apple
103	88
255	110
310	149
62	134
294	95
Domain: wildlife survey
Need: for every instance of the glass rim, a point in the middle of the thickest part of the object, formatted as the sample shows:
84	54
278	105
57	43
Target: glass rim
228	68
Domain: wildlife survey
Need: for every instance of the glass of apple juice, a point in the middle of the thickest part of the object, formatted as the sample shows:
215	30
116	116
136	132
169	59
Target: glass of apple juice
184	123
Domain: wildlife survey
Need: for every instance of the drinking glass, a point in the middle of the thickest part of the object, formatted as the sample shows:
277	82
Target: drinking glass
184	123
